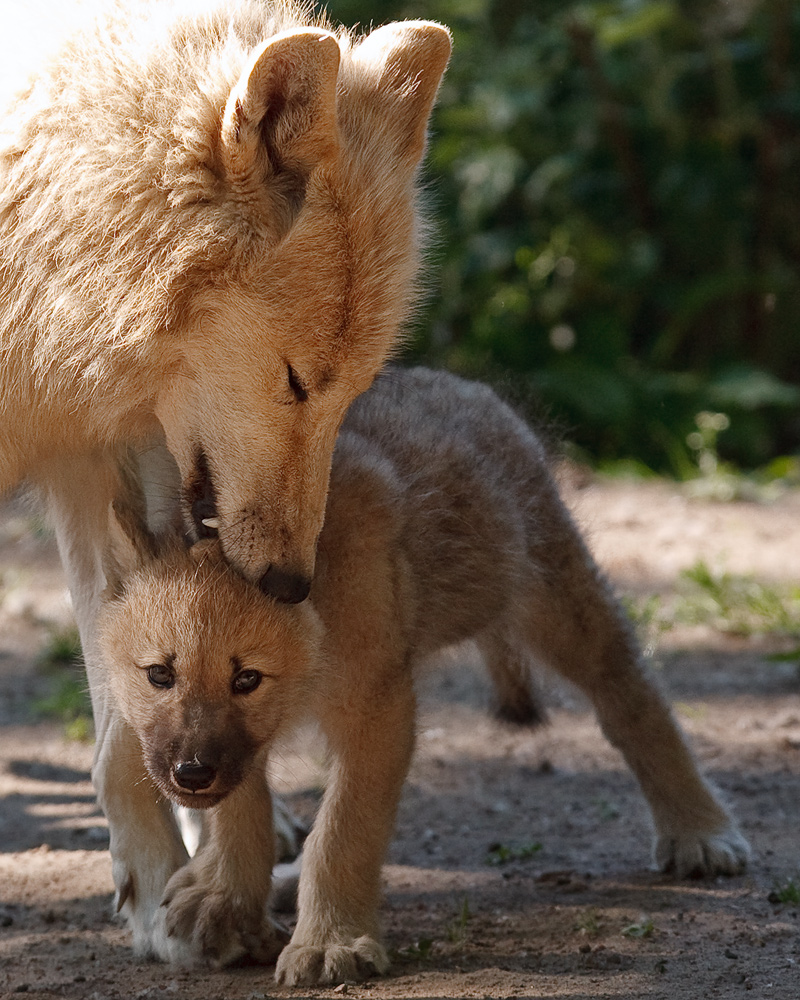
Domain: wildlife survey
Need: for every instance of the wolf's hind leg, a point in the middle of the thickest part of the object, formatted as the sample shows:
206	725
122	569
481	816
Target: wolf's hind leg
510	667
576	627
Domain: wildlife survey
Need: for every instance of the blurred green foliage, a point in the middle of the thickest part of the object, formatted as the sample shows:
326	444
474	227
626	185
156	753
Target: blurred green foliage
618	191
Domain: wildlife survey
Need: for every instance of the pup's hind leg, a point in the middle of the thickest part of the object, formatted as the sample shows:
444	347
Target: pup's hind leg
576	626
510	666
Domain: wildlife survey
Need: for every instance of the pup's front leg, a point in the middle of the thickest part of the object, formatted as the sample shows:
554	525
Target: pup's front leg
216	905
337	938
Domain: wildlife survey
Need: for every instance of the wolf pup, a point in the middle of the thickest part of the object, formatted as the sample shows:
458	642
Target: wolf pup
442	524
209	235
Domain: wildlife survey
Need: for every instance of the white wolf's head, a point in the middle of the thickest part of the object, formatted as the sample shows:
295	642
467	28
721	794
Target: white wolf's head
317	156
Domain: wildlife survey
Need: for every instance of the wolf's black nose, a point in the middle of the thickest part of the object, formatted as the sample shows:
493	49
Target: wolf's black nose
288	588
193	776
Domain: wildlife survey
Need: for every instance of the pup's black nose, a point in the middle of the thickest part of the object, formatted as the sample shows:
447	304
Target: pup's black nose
288	588
193	776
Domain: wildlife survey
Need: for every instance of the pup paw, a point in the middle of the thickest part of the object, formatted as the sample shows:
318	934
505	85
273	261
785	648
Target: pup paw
694	855
310	965
214	924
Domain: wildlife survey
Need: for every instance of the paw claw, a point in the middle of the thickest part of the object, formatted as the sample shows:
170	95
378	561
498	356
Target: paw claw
205	923
698	855
310	965
126	892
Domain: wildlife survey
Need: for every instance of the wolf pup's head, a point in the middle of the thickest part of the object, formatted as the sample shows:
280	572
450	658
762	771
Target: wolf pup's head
205	668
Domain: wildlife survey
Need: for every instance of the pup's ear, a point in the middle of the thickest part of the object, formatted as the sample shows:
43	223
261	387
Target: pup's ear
280	123
409	59
130	543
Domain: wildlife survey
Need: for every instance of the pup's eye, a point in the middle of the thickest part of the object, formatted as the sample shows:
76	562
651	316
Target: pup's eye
297	387
245	681
160	676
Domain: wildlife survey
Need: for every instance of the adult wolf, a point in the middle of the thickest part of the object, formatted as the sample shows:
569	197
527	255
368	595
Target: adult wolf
208	230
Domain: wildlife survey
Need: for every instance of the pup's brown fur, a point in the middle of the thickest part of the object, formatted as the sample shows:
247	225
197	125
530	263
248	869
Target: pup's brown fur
209	234
442	524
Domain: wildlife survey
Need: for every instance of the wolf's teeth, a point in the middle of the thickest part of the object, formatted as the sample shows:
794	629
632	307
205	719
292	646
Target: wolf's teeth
210	522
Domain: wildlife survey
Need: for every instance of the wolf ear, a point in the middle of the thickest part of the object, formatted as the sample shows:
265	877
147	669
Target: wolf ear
130	543
409	58
280	123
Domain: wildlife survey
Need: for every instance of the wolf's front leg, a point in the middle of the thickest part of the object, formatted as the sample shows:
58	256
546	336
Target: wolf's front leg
216	905
336	937
146	848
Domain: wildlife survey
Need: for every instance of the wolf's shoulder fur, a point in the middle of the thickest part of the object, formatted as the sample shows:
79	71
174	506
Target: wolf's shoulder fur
108	161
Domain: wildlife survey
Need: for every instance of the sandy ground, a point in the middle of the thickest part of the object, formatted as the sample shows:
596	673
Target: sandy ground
582	916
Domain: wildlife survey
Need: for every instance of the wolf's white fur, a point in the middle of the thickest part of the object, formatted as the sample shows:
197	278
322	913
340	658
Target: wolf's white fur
203	206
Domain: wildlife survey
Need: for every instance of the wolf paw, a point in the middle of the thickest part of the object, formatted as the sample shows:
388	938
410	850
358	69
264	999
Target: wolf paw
139	893
205	923
694	855
309	965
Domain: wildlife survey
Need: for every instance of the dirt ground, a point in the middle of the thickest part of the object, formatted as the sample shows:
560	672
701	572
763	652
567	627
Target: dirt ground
577	914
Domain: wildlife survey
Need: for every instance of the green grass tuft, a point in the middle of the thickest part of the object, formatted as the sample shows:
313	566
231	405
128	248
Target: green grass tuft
501	854
421	950
457	931
68	702
786	892
589	923
738	604
642	928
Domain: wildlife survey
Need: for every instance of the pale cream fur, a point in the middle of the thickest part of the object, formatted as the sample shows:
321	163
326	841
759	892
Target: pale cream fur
190	204
209	239
442	524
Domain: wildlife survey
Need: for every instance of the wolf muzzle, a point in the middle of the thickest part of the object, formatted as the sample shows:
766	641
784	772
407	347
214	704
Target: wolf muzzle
285	587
